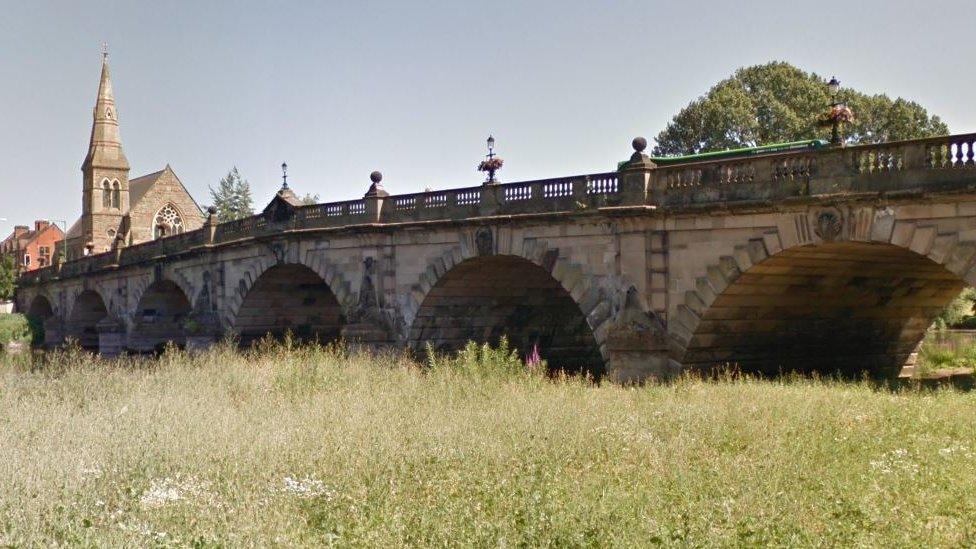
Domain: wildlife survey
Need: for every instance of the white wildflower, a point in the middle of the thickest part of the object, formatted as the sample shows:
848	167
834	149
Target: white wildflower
954	449
895	460
160	493
308	488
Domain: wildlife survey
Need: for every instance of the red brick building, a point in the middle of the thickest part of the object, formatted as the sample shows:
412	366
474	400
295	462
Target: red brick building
32	249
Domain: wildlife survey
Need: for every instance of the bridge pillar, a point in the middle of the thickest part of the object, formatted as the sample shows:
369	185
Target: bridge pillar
53	333
201	334
111	337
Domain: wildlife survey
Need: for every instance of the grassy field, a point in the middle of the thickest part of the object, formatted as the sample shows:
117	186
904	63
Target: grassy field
311	447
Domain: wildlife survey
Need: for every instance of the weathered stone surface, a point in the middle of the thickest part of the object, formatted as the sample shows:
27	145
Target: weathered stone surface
802	264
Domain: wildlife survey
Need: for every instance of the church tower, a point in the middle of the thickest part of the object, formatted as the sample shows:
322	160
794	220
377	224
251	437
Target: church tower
105	196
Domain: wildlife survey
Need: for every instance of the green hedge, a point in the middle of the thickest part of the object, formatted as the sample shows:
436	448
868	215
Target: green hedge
14	327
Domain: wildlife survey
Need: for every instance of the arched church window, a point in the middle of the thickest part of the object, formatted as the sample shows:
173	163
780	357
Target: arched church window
116	195
106	195
167	222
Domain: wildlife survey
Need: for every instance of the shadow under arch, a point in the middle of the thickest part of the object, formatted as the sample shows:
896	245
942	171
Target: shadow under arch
162	310
289	298
845	308
82	325
40	309
486	297
39	314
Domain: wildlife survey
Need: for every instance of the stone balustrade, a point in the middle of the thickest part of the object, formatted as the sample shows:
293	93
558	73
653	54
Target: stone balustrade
924	165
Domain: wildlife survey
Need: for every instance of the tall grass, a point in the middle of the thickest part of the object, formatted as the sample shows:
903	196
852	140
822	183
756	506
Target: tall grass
312	446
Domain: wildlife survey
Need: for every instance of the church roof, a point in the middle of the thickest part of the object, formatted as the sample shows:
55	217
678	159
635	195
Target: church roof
75	230
139	186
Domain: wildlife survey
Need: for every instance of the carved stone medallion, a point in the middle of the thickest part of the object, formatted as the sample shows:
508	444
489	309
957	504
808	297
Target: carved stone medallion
828	226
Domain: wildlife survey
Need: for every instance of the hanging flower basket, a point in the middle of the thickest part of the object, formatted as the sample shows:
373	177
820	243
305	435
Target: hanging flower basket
837	114
491	165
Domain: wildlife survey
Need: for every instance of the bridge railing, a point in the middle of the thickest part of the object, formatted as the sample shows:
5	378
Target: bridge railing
938	162
899	165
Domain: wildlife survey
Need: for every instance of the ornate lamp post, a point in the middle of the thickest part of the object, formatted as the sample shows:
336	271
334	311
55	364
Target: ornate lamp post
491	163
838	113
832	87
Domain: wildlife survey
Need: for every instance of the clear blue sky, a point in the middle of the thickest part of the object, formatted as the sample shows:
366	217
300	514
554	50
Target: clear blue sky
338	89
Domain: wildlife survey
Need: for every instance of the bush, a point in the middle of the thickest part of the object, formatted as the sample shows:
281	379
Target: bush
14	327
483	361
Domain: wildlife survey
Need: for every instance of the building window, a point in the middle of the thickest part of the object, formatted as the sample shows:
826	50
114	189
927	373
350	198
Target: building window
167	222
106	195
116	195
26	260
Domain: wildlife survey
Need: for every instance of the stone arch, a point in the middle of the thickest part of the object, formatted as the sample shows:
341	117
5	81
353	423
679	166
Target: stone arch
593	301
40	308
252	271
293	297
160	312
847	296
139	285
87	310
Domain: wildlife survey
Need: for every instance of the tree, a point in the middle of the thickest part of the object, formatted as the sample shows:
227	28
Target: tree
232	198
778	102
310	199
960	312
8	278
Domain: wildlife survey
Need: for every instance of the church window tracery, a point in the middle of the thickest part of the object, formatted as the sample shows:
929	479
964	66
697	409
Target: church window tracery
167	222
116	195
106	195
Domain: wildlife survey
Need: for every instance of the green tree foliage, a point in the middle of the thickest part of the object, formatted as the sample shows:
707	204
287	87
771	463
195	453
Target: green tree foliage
959	313
778	102
232	197
8	278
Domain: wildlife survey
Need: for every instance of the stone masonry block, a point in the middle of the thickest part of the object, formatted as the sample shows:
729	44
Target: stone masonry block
941	247
694	302
902	234
757	251
922	240
705	291
961	258
742	259
883	225
717	280
772	243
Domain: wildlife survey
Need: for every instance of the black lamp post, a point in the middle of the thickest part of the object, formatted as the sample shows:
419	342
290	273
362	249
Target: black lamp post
833	87
489	156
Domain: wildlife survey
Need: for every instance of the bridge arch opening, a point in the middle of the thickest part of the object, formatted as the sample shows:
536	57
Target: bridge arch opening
487	297
160	316
847	308
291	299
39	312
40	309
89	309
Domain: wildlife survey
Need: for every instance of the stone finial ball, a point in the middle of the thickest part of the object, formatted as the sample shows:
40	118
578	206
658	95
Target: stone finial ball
376	177
212	210
639	144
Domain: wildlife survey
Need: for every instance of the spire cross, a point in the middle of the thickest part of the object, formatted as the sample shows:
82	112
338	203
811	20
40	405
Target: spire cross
284	175
104	51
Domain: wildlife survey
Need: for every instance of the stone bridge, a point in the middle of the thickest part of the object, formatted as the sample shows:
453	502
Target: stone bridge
832	259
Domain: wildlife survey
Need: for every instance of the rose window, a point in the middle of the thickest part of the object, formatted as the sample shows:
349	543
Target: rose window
168	222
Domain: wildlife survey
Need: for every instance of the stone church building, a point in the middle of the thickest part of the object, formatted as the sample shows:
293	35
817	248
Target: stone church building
116	210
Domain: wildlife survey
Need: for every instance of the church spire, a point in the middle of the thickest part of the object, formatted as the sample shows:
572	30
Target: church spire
105	145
